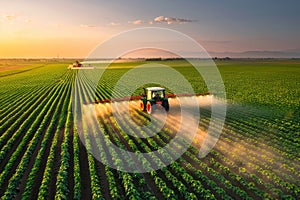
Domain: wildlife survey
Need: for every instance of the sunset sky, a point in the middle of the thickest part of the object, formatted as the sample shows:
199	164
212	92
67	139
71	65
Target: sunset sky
73	28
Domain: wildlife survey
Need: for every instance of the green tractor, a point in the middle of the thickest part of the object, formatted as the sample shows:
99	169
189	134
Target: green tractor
154	97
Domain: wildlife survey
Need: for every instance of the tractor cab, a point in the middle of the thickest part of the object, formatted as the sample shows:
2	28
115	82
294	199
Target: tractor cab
155	93
153	98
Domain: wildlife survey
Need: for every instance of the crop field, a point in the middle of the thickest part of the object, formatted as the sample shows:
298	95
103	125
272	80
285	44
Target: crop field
42	155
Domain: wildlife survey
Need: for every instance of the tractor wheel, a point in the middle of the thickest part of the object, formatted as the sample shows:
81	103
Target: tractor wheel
166	105
142	106
149	107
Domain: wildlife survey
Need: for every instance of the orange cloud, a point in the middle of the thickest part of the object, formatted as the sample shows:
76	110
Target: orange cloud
136	22
10	17
114	23
87	26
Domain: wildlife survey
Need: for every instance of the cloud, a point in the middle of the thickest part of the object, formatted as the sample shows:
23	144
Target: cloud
114	23
10	17
171	20
162	19
57	25
13	18
159	19
137	22
87	26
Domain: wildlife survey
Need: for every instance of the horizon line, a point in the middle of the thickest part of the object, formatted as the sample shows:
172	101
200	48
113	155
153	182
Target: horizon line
139	58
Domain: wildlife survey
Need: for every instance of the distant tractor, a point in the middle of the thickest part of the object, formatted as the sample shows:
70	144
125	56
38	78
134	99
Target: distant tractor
154	97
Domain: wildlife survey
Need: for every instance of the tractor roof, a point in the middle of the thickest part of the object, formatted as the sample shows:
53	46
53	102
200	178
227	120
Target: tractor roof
155	88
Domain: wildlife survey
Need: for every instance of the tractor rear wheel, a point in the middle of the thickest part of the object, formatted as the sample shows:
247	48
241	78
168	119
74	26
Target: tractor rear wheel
165	104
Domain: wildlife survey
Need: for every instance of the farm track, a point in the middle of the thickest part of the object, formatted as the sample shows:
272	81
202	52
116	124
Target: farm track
42	155
22	71
84	173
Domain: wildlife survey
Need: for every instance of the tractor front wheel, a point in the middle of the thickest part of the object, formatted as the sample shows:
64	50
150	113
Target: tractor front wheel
149	107
142	106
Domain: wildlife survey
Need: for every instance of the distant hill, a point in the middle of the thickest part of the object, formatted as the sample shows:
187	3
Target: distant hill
259	54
